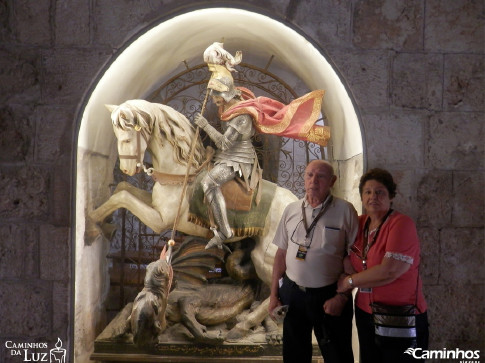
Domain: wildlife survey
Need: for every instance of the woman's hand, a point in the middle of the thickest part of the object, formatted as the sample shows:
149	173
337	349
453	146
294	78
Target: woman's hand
343	284
379	275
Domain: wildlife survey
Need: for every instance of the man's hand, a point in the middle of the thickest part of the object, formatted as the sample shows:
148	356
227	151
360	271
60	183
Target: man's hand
200	120
335	305
274	302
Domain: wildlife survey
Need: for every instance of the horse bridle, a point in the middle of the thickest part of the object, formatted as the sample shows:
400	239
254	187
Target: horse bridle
138	157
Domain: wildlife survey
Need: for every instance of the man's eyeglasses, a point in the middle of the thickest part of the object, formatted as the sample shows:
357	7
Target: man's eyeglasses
308	240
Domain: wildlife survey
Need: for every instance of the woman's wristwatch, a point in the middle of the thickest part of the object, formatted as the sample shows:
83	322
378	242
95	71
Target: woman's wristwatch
351	281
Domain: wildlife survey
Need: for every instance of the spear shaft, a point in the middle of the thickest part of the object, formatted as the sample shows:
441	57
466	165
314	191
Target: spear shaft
171	242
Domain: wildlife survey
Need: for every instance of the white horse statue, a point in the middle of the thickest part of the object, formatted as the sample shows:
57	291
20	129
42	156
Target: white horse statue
167	135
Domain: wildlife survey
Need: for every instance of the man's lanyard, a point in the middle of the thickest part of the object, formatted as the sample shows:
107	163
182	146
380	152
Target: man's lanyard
318	216
368	245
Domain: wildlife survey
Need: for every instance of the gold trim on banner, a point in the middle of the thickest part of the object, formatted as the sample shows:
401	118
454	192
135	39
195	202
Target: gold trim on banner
293	107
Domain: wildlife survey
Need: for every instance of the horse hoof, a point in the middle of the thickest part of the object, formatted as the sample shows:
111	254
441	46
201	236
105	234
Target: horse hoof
274	338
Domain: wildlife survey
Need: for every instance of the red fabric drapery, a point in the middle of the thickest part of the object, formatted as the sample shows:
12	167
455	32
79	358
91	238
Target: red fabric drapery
295	120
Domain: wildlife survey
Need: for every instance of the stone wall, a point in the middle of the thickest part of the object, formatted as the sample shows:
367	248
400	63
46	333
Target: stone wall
415	70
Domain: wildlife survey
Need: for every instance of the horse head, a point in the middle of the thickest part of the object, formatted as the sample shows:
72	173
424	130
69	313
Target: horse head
131	126
140	125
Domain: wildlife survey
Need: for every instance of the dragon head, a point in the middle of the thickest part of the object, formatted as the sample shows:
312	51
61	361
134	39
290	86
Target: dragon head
147	319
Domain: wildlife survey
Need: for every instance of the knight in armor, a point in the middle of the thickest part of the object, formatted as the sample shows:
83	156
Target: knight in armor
243	114
235	155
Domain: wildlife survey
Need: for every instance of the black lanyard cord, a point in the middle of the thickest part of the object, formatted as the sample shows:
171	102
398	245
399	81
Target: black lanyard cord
368	245
315	220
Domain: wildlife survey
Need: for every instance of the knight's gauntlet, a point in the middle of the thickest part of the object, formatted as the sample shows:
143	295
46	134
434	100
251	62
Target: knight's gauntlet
219	139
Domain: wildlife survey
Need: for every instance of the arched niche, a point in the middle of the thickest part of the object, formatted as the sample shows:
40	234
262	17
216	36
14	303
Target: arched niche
148	60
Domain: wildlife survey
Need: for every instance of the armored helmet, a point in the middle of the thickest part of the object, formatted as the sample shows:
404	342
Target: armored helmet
221	83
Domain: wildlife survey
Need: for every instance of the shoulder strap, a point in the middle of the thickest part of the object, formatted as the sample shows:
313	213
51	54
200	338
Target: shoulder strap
417	290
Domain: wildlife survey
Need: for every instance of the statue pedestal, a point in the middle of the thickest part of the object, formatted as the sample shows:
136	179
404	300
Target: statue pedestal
174	346
105	351
110	346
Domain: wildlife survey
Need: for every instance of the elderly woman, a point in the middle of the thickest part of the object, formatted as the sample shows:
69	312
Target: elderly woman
383	265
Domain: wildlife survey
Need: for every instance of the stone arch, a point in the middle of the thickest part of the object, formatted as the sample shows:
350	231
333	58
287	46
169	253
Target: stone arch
156	54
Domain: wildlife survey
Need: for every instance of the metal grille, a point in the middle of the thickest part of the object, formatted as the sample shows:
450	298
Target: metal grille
134	245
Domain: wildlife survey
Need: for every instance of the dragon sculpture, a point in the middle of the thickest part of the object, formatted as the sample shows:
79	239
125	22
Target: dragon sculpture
193	301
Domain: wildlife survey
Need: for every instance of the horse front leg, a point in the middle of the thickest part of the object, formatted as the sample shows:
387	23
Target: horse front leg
137	201
262	257
274	332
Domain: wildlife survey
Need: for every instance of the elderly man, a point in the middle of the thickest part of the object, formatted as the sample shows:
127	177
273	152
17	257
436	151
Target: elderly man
313	238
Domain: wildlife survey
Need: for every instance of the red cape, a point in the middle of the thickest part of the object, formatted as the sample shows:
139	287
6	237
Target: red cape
295	120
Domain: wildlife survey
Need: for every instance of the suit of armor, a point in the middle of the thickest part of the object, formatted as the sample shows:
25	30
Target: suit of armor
235	155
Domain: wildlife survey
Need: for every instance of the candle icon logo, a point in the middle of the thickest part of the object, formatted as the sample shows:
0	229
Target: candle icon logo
58	354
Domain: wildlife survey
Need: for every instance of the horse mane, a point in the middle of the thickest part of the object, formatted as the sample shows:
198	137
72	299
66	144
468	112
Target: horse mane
158	120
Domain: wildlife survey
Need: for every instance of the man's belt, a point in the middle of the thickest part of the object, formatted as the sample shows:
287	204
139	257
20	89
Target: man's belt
331	287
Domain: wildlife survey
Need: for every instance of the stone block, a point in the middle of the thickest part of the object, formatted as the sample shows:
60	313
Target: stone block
72	22
456	315
429	269
462	256
26	308
68	74
329	24
53	132
455	141
61	186
17	136
468	197
381	24
405	200
19	76
24	193
454	26
54	253
417	81
5	36
367	76
395	138
115	21
19	252
60	308
32	22
435	199
463	82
